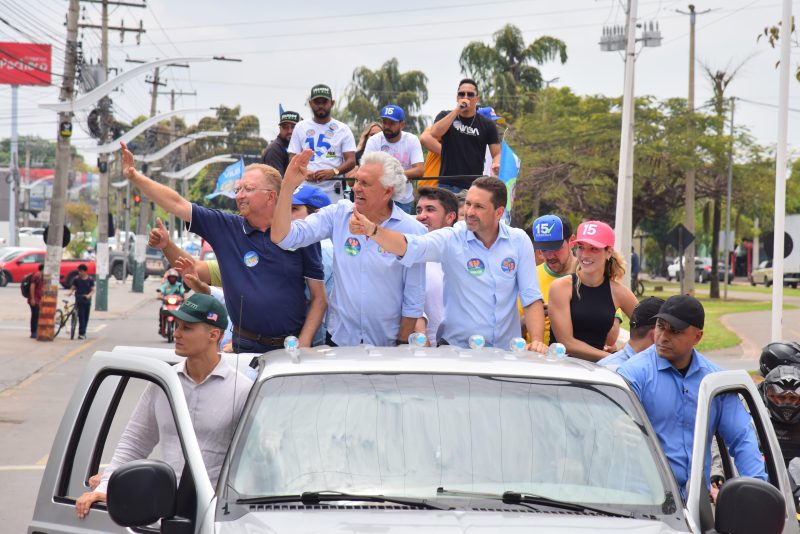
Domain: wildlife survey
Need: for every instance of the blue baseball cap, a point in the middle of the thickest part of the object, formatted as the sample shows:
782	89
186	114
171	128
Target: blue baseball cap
550	231
490	113
310	195
393	113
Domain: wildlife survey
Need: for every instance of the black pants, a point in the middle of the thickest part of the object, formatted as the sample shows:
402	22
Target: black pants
84	306
34	319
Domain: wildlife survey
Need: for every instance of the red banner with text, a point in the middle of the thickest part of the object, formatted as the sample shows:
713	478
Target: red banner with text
25	64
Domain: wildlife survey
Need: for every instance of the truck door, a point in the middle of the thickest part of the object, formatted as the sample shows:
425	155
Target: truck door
95	417
741	386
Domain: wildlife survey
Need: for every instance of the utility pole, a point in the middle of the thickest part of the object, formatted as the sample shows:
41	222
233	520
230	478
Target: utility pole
140	252
104	107
689	199
728	205
55	232
13	184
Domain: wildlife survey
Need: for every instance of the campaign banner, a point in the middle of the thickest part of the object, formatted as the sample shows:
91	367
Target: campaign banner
25	64
227	180
509	170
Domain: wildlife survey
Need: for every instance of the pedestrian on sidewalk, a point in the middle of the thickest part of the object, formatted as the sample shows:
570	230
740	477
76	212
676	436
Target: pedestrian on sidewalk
83	288
35	298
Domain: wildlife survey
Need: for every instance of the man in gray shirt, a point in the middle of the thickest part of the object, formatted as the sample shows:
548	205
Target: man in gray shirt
215	394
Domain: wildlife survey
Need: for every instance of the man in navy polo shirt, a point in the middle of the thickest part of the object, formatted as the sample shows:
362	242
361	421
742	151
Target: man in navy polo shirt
264	284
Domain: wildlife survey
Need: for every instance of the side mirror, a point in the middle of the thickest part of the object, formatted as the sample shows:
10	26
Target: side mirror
749	505
141	492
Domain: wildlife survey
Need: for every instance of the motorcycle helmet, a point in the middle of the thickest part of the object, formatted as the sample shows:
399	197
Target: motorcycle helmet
172	272
779	353
781	392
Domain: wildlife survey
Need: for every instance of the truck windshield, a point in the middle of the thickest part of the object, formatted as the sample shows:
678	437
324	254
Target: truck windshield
409	434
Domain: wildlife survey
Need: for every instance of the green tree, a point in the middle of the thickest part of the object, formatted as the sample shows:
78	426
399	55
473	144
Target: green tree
370	90
506	78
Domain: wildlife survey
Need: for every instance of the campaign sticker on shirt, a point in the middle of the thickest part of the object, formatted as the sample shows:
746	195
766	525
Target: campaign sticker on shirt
251	258
352	246
508	265
475	266
310	133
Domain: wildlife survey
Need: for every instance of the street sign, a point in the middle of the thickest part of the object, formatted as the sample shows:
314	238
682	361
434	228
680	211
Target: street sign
680	238
65	238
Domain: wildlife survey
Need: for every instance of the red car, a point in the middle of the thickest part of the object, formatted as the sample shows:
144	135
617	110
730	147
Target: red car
15	267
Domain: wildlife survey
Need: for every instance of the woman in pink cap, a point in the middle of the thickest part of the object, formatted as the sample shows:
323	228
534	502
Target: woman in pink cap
582	305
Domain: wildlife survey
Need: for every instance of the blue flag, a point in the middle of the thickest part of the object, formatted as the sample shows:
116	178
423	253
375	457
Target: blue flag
509	169
227	180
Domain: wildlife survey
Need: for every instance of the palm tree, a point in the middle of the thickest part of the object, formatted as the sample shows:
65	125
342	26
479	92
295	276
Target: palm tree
373	89
505	78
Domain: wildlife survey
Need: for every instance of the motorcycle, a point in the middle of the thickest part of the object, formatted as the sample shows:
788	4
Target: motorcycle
166	320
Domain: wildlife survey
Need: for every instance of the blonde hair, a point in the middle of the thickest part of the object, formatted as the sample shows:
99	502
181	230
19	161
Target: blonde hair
362	140
271	175
613	270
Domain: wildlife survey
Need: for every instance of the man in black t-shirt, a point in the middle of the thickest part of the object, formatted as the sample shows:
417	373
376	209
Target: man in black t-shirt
276	155
465	134
83	287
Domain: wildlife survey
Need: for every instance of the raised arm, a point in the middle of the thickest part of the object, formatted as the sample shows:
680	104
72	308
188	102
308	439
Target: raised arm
430	142
295	175
168	199
159	238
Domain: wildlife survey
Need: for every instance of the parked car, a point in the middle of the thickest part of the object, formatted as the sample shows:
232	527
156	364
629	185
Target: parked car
17	266
674	268
763	275
405	440
702	270
120	264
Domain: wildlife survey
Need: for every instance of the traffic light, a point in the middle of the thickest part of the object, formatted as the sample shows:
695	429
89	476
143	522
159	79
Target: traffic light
136	200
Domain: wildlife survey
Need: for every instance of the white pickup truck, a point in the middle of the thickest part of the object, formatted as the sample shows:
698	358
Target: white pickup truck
407	440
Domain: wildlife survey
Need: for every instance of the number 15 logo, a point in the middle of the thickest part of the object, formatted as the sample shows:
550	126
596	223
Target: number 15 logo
589	229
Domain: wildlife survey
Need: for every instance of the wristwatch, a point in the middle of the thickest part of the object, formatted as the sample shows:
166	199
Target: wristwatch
335	171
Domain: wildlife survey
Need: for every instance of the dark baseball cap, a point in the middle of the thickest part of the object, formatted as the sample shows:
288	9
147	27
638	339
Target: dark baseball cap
321	91
644	314
682	311
289	116
550	231
202	309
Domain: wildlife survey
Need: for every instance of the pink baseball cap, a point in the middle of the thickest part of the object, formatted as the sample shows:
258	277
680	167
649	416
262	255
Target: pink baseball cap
595	233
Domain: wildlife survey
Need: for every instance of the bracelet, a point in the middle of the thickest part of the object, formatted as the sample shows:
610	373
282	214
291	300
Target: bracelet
398	342
375	231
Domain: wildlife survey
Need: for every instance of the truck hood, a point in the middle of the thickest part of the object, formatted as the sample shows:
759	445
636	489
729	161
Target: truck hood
433	522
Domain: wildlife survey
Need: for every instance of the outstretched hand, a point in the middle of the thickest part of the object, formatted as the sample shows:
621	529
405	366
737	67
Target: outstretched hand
128	166
186	266
159	236
297	171
360	225
196	285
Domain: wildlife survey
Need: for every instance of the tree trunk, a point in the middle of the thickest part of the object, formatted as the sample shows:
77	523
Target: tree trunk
714	283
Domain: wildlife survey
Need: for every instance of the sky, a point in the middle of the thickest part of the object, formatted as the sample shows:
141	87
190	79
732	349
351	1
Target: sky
287	47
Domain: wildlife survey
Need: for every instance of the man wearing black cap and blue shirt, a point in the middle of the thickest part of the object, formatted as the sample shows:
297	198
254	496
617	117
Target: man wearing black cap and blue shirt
666	377
331	141
403	146
551	234
215	394
643	324
276	154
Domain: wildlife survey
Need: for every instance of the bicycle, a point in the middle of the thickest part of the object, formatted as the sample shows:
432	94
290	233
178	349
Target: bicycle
68	313
638	287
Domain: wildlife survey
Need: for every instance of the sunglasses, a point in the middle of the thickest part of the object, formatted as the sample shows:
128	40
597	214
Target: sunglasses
468	94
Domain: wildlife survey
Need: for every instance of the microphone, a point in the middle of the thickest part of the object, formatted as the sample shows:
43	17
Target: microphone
463	105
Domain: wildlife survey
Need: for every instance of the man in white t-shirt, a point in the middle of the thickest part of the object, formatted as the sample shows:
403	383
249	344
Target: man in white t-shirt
403	146
331	141
436	208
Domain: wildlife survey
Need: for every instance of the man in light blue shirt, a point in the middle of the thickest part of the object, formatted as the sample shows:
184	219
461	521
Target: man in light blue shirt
375	300
486	265
643	323
666	378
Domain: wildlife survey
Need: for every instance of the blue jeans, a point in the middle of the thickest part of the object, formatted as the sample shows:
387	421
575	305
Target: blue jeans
84	306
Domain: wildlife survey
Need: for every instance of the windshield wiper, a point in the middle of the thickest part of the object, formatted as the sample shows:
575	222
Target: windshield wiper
317	497
513	497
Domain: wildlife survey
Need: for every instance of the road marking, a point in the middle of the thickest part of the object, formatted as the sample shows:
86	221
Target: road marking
39	373
4	468
98	328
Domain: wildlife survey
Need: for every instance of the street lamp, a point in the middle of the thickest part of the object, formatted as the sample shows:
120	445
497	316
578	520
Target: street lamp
155	156
617	38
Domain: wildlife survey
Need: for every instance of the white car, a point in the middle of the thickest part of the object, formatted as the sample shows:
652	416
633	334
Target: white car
377	440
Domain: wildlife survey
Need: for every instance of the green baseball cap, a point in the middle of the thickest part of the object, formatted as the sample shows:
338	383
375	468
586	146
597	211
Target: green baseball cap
289	116
202	309
321	91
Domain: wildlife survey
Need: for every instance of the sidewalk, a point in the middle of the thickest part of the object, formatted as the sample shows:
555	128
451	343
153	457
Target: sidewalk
22	357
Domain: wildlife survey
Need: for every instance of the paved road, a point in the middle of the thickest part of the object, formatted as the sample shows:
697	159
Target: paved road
37	381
